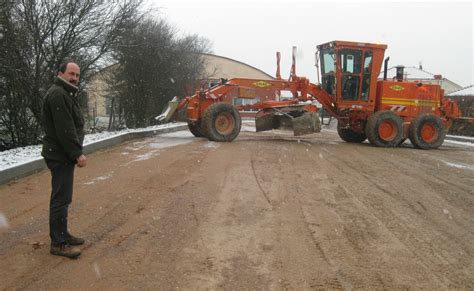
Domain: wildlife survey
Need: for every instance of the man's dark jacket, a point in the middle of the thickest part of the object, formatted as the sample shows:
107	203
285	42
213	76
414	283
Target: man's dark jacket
63	123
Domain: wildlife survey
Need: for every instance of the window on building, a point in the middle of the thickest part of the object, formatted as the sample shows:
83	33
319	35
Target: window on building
212	83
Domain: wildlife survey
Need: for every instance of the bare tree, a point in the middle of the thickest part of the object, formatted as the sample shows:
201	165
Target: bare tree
155	65
37	36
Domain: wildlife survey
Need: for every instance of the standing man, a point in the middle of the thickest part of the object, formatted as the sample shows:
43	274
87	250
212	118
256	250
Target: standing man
63	126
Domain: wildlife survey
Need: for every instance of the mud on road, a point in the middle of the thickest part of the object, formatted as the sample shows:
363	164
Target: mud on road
267	211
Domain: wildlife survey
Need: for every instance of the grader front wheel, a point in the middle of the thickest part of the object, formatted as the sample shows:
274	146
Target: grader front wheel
221	122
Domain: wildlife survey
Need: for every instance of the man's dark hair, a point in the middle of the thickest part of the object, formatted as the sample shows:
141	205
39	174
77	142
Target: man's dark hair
63	66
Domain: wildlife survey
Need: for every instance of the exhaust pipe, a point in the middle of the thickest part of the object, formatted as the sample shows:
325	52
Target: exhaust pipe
385	68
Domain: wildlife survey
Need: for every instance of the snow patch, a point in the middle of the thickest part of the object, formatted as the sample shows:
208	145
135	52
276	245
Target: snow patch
23	155
96	270
461	143
171	139
470	138
100	178
460	166
3	221
446	212
212	144
248	128
144	157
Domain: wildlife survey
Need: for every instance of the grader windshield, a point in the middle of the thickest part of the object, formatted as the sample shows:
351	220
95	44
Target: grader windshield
328	71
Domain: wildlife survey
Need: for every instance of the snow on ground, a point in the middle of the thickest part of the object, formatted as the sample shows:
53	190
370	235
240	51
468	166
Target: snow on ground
100	178
460	166
171	139
18	156
469	138
461	143
3	221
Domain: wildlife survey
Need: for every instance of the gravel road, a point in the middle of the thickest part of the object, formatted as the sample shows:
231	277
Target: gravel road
268	211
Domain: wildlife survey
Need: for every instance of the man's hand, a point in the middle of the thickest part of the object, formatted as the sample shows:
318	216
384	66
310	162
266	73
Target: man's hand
81	161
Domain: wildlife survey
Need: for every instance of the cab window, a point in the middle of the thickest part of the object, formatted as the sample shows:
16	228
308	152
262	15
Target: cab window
366	76
328	69
350	61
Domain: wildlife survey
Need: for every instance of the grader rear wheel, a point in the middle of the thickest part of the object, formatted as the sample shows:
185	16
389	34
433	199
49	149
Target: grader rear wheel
427	132
384	129
221	122
348	135
196	129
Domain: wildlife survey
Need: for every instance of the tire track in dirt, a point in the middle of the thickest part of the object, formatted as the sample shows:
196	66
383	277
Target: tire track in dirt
258	182
355	231
298	261
354	176
398	193
234	231
347	279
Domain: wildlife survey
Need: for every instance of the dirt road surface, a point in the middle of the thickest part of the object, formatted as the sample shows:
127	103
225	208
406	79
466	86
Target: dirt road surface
268	211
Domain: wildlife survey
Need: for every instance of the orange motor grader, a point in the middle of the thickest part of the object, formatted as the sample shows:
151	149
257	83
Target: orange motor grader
385	111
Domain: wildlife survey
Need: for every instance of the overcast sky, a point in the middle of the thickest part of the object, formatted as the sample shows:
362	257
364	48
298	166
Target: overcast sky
437	34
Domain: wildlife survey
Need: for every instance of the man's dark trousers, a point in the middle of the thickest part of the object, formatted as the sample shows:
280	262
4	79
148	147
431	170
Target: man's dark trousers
61	196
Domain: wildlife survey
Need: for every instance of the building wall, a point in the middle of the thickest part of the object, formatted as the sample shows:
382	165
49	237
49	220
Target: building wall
98	92
217	67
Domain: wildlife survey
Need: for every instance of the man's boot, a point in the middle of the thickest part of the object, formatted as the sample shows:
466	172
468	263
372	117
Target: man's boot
74	241
65	251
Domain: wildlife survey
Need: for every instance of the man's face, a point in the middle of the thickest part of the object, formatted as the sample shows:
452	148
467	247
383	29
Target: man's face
72	73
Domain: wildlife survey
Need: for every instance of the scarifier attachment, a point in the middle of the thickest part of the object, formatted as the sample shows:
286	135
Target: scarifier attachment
301	122
168	112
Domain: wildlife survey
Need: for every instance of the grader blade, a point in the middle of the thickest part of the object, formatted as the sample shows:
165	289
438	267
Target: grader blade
266	122
306	123
274	120
168	111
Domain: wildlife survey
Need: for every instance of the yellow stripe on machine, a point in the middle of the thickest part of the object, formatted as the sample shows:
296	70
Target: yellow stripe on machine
410	102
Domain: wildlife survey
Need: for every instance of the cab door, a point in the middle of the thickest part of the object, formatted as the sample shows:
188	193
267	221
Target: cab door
355	72
350	63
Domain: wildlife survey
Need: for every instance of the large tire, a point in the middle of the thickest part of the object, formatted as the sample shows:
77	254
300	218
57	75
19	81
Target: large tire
196	129
384	129
221	122
348	135
427	132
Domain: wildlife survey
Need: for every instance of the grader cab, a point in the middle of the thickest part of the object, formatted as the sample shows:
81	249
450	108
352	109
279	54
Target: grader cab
384	111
